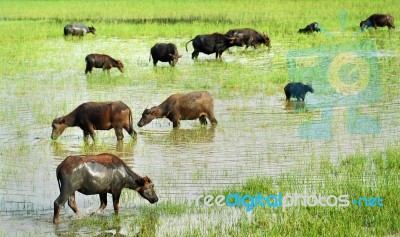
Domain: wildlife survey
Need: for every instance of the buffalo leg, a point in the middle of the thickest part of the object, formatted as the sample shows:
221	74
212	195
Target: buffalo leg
175	124
88	69
58	203
155	62
86	136
115	196
130	130
203	120
119	133
72	203
195	54
92	132
212	118
103	203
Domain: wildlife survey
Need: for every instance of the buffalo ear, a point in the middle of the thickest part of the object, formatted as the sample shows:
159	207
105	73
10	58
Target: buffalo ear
155	111
140	182
62	121
179	56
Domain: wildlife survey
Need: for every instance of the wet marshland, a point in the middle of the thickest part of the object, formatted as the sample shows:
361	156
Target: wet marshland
259	134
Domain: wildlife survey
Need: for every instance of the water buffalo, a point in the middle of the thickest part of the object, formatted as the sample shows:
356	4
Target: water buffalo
98	174
313	27
190	106
164	53
297	90
212	43
102	61
378	20
78	30
249	37
92	116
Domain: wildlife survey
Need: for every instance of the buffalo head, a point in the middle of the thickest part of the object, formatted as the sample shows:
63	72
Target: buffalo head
120	66
365	24
148	115
175	58
146	189
92	30
58	127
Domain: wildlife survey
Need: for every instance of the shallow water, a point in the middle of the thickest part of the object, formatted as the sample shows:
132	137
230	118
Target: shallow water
258	133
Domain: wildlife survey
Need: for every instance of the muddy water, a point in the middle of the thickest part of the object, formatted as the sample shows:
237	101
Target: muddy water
258	133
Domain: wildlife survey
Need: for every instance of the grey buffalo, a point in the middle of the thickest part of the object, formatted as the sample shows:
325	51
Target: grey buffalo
78	30
98	174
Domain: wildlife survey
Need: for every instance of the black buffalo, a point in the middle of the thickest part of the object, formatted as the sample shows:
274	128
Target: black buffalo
164	53
378	20
212	43
249	37
297	90
313	27
78	30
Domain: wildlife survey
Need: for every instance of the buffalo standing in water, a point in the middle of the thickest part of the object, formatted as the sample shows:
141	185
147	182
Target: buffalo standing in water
102	61
164	53
78	30
297	90
98	174
313	27
190	106
212	43
249	37
378	20
92	116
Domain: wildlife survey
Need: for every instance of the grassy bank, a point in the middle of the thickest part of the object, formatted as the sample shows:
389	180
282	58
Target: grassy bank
358	176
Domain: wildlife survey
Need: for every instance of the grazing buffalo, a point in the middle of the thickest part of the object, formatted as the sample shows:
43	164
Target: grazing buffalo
102	61
98	174
194	105
78	30
164	53
249	37
92	116
313	27
297	90
378	20
212	43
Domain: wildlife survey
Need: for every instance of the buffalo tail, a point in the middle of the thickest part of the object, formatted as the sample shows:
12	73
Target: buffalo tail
187	44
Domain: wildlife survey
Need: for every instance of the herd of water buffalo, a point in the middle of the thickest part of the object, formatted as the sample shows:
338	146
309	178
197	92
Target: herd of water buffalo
106	173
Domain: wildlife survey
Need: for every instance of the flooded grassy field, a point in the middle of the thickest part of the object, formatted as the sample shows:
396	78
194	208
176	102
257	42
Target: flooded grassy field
258	134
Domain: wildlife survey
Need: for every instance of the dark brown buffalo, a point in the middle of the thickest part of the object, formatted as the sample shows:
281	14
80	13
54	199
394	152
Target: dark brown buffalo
297	90
249	37
194	105
92	116
164	53
313	27
102	61
212	43
378	20
98	174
